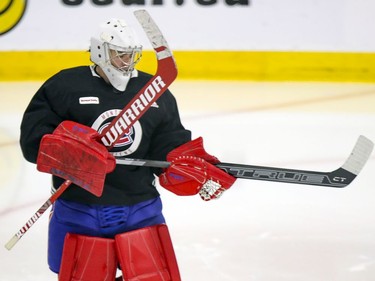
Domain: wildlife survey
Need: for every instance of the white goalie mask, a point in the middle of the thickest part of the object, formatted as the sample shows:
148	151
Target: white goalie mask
116	50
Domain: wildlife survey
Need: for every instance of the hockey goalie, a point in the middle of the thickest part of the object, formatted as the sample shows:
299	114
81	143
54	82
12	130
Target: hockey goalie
111	215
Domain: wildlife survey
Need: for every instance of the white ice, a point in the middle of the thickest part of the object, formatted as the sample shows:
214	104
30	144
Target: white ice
258	231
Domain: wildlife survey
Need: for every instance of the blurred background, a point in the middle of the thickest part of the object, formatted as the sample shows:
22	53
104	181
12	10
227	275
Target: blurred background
275	83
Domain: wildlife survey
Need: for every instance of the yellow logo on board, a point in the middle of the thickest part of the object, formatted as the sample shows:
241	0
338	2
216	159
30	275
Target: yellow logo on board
11	12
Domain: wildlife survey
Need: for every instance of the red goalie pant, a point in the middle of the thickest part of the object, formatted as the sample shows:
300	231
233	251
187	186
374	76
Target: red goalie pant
143	255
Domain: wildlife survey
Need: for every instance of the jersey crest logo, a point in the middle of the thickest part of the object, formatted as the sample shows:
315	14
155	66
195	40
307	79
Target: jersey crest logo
129	141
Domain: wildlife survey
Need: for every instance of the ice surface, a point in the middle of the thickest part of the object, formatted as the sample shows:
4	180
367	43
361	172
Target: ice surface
257	231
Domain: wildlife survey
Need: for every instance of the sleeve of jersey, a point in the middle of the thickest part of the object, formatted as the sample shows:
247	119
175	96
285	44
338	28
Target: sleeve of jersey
170	133
39	119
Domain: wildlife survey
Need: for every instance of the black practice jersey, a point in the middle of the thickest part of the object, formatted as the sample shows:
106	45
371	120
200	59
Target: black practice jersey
76	94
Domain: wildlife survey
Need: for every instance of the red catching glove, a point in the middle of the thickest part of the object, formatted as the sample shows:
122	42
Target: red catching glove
191	172
73	152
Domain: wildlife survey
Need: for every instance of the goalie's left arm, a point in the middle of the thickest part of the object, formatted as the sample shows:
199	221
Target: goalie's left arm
192	171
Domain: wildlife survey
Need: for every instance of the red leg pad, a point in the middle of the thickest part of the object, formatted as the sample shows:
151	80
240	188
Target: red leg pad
87	258
147	254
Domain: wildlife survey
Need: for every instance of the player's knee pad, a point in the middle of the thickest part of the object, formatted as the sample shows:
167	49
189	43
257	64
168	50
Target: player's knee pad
87	258
147	254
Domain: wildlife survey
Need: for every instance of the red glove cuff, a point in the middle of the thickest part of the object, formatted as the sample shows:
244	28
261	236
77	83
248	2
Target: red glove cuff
192	148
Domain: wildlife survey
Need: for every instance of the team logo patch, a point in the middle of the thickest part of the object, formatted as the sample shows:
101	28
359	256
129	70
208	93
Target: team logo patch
129	141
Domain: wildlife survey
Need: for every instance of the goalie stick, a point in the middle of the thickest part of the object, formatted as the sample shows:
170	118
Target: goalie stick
340	177
166	73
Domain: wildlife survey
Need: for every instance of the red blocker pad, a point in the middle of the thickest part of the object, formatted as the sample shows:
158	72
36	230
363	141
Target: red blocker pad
73	153
87	258
147	255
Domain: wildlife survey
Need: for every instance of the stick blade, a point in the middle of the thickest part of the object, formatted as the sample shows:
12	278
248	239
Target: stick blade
359	155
